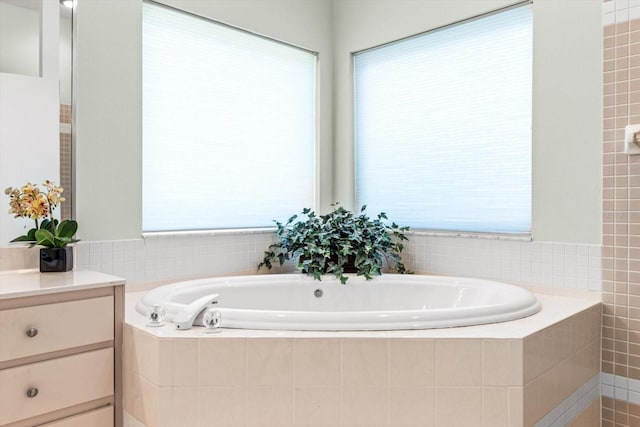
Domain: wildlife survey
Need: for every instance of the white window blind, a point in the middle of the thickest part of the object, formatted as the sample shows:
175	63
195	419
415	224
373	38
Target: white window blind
229	125
443	126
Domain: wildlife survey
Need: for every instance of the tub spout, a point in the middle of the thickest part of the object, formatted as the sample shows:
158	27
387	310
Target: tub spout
187	315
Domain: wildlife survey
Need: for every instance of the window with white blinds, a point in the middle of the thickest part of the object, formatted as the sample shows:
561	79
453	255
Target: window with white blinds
443	126
229	125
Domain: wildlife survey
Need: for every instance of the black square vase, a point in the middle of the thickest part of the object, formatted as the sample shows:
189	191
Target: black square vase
56	259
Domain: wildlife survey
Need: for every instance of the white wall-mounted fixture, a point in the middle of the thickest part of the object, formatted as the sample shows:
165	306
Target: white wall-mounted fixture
632	139
68	3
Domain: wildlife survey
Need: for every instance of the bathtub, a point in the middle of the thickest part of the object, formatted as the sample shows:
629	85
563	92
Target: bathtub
388	302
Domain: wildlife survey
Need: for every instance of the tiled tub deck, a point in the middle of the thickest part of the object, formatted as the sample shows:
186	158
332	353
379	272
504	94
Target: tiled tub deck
542	370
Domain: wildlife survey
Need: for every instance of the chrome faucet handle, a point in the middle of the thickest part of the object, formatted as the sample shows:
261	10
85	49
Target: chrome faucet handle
156	316
211	320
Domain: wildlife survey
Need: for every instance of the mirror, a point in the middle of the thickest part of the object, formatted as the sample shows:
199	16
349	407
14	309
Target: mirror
20	37
20	53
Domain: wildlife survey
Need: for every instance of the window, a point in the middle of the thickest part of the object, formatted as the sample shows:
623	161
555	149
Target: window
443	126
229	125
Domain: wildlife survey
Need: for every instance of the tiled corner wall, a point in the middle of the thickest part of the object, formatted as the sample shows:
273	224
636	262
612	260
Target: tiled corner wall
621	215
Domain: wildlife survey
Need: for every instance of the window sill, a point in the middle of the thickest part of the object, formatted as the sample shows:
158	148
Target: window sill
523	237
201	233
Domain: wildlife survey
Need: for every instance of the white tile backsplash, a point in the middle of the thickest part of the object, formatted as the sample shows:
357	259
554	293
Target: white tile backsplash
167	256
563	265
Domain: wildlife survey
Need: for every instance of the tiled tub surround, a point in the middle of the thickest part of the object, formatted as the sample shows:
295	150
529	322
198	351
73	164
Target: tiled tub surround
535	371
621	214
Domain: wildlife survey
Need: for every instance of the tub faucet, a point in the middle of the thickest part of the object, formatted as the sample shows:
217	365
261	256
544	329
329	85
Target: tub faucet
186	316
211	320
156	316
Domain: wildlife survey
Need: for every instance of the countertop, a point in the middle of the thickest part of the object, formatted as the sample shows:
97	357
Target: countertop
26	283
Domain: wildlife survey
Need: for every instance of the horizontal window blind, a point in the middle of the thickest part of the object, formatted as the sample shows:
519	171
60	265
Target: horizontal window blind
443	126
229	125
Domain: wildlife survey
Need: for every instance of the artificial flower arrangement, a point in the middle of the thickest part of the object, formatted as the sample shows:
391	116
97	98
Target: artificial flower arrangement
29	201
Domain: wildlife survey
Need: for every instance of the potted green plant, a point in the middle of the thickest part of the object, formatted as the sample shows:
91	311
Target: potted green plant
29	201
337	243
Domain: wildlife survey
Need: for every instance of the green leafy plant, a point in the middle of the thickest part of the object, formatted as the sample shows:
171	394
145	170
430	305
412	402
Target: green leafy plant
337	243
29	201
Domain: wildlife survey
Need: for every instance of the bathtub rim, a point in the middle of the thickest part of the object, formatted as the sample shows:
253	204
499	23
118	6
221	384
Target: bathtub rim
557	304
555	308
519	302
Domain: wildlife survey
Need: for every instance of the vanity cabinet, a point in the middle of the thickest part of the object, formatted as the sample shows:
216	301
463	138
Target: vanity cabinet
60	350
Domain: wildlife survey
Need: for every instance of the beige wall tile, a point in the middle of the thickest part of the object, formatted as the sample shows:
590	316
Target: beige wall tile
221	406
164	408
165	359
540	353
269	407
270	362
495	362
132	393
592	355
595	320
495	407
458	362
564	339
634	409
516	406
145	401
129	350
411	362
548	394
185	362
149	401
317	407
130	421
364	407
540	397
458	406
317	362
148	356
569	376
364	362
184	406
154	358
222	362
411	406
590	417
532	348
531	404
516	375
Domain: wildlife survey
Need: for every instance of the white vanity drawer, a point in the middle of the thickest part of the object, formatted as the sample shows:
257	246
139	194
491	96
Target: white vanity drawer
56	326
102	417
60	383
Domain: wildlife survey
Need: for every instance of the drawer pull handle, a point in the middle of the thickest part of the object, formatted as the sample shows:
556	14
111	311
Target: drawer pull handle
32	332
32	392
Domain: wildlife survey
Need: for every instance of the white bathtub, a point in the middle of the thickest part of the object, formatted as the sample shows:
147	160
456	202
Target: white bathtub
388	302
